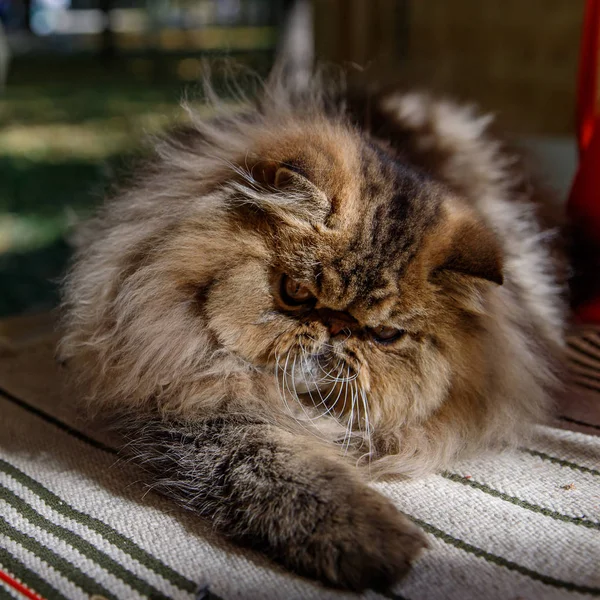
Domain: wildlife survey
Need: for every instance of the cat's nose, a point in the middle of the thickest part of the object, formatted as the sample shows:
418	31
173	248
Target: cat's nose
337	320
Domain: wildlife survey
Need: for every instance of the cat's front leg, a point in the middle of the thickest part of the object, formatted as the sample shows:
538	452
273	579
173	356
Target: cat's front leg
284	495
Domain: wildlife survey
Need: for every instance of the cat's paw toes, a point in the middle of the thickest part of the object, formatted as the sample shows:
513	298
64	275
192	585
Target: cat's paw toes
370	544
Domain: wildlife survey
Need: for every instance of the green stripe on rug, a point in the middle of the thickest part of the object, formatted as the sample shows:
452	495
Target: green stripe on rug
87	549
521	503
560	461
503	562
18	570
111	535
67	569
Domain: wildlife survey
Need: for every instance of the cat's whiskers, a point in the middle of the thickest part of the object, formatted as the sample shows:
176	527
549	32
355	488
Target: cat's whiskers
332	408
355	405
338	376
282	393
328	409
308	371
354	388
327	375
311	419
363	396
341	388
349	424
325	344
293	392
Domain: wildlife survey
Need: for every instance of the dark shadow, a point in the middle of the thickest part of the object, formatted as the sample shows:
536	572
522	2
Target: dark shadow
47	188
30	281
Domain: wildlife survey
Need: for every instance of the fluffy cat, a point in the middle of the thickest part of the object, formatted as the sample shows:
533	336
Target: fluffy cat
321	289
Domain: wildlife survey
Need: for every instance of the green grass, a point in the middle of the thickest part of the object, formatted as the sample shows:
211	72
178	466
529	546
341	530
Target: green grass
58	143
56	148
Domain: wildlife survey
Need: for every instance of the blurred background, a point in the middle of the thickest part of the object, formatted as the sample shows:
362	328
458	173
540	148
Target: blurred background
82	81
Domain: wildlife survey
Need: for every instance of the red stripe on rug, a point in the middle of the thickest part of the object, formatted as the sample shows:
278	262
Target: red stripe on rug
17	585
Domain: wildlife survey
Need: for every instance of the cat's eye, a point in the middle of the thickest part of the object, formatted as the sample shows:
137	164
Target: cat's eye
294	293
386	335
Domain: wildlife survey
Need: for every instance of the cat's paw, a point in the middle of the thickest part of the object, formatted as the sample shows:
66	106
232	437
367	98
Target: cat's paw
367	543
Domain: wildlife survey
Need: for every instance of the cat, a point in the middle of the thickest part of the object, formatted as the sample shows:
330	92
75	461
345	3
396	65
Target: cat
323	288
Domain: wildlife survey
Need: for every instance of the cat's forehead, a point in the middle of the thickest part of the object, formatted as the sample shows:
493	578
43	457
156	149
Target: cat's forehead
380	212
364	183
372	266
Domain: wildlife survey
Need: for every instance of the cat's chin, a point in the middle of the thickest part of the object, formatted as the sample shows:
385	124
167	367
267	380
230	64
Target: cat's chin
309	376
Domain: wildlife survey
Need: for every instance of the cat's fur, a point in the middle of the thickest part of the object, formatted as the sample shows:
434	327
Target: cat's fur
399	211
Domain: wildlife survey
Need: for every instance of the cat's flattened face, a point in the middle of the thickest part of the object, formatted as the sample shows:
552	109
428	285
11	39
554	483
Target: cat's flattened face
348	290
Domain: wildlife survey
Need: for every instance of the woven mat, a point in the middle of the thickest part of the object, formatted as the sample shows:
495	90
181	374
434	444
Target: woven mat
74	523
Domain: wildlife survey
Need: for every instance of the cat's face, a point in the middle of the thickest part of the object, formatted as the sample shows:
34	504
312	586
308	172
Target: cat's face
353	279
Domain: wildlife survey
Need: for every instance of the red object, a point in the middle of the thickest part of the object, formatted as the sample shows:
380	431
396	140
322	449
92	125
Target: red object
18	586
584	201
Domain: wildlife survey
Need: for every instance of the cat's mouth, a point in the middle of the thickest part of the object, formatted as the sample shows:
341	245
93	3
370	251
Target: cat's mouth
313	386
320	377
310	375
321	381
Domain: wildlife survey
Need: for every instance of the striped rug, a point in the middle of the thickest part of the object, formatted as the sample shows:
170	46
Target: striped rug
76	524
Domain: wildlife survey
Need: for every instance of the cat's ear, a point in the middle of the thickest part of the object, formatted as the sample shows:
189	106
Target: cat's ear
282	177
471	249
299	194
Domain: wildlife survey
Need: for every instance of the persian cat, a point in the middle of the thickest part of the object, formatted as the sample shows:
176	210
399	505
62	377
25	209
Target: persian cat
320	289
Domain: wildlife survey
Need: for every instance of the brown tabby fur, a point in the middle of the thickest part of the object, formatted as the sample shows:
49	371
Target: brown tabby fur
401	211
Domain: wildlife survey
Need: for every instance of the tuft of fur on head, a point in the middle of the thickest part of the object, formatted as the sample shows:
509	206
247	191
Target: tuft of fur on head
396	211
